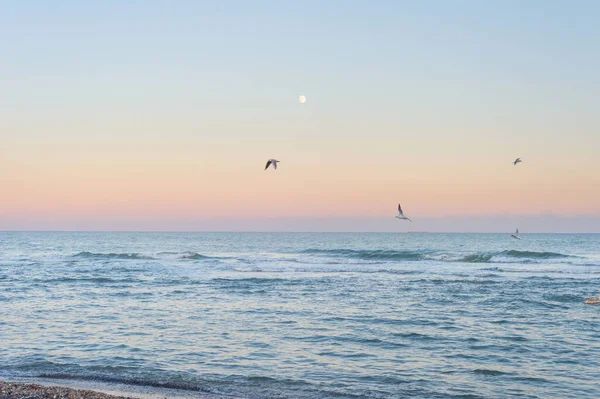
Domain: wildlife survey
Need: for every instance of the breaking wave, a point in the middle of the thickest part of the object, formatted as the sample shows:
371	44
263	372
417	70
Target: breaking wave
371	255
93	255
480	257
195	256
492	257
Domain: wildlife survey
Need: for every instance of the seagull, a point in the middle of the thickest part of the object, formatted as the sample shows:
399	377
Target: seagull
517	161
516	235
401	214
273	162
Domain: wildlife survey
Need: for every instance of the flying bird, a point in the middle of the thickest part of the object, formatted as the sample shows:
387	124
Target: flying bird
271	162
518	160
516	235
401	214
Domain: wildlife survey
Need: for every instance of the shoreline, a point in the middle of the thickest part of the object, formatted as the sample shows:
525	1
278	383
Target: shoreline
58	388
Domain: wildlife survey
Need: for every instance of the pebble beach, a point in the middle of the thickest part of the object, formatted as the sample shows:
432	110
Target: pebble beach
15	390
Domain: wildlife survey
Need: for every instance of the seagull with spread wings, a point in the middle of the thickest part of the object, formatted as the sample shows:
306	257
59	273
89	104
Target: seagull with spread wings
518	160
401	214
271	162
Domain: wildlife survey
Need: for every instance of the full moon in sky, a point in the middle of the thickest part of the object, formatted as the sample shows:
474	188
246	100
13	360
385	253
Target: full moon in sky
302	99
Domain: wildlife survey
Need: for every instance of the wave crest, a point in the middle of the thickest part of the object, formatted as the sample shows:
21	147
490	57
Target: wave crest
533	254
478	257
94	255
194	256
370	255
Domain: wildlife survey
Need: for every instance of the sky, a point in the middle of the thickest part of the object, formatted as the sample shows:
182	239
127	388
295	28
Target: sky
160	115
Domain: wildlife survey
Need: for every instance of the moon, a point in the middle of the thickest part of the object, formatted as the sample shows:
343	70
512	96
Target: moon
302	99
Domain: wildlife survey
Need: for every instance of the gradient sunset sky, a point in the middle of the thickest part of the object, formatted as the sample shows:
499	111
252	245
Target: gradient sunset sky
159	115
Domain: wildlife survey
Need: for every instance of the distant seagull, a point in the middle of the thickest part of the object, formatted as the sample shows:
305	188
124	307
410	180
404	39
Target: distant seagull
516	235
518	160
401	214
271	162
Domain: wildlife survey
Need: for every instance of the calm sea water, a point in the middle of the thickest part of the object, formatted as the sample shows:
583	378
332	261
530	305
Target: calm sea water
306	315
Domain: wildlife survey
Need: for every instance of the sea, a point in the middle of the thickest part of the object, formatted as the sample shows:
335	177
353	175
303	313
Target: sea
305	315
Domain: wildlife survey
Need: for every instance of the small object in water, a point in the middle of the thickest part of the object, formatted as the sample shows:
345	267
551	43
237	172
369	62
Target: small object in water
592	301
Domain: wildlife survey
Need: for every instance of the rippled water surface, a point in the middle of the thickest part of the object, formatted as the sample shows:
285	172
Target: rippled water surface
257	315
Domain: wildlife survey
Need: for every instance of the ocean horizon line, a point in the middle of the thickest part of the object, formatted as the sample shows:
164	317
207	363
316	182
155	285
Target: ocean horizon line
288	232
498	223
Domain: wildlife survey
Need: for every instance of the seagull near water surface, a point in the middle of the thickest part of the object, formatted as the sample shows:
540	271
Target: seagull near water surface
401	214
516	235
271	162
518	160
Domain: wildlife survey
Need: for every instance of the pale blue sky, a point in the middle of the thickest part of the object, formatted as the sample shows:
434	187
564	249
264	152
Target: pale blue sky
462	56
